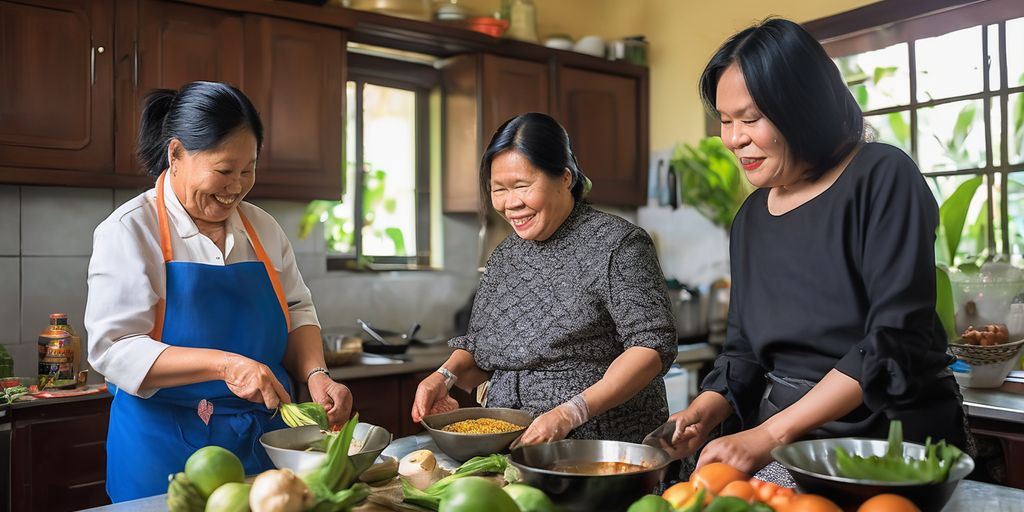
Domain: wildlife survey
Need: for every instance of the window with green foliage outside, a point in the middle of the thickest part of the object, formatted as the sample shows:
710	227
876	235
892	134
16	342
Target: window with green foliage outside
952	97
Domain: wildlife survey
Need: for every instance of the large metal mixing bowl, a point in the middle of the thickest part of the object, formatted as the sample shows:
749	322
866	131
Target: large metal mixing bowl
813	466
579	492
463	447
288	447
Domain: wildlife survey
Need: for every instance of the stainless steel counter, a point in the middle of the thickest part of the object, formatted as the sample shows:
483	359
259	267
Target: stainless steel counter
1005	403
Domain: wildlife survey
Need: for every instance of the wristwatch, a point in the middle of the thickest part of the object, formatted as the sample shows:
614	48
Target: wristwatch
449	377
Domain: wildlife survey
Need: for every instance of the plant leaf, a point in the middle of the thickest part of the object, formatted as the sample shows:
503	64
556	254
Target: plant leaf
953	213
944	302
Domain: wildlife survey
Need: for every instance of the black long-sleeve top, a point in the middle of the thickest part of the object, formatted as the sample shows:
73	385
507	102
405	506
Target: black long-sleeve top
844	281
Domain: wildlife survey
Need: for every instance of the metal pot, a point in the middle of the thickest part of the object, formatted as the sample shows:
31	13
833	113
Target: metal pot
690	311
579	492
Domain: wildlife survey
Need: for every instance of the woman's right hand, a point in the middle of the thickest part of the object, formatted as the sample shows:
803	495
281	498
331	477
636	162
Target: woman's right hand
253	381
432	398
695	423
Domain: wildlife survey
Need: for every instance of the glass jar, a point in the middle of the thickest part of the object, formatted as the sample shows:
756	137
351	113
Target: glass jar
522	21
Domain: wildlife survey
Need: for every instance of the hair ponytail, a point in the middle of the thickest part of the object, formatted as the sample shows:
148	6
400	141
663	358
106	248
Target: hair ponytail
152	144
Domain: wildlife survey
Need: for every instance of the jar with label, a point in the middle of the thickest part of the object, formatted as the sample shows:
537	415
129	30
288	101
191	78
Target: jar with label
522	21
60	352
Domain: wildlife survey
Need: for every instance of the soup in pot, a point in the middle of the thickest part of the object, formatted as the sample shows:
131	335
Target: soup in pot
596	468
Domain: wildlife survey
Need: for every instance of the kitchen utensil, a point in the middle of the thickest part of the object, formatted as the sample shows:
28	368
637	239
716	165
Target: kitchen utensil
580	492
373	334
689	309
662	191
672	187
463	447
813	466
487	25
661	437
340	348
287	447
413	329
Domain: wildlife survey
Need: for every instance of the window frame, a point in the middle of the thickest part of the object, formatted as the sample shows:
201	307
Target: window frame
419	79
890	22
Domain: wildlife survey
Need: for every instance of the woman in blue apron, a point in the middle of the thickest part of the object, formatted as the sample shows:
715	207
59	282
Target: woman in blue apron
197	315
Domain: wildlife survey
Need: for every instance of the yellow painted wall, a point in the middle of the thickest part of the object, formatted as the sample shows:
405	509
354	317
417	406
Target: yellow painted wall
682	34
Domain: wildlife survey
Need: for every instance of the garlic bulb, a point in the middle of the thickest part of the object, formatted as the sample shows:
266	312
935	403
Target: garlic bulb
419	468
279	490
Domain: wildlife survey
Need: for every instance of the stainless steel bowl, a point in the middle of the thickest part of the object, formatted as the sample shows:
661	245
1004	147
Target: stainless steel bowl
813	466
287	447
463	447
574	491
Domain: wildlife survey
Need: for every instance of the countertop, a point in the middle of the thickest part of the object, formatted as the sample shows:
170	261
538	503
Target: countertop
1005	403
418	358
970	496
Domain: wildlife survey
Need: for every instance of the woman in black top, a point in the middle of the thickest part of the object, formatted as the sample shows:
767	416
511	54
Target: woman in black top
832	327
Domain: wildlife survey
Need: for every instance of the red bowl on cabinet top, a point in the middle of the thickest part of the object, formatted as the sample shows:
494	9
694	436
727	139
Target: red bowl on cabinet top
487	25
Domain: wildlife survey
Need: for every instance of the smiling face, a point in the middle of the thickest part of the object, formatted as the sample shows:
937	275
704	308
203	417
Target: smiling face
756	142
534	203
211	183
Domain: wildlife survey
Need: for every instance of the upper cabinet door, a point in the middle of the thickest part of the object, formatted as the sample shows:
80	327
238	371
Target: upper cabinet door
295	74
512	87
600	113
172	45
56	90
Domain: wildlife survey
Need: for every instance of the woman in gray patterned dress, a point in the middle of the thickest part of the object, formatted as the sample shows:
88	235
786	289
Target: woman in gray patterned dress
572	320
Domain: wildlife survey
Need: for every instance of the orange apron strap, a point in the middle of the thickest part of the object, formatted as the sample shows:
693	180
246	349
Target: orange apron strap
274	279
161	213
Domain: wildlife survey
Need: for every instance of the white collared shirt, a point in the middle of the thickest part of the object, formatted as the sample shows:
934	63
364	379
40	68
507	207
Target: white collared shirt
127	277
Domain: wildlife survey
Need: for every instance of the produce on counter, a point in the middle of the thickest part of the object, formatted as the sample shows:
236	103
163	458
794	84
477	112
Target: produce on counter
419	468
430	497
651	503
280	490
308	413
530	499
482	426
893	467
230	497
211	467
380	473
475	494
182	496
888	503
715	476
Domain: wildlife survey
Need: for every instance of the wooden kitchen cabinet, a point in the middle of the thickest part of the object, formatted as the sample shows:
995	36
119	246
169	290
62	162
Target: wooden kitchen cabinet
386	401
171	45
58	455
601	113
481	92
295	75
56	91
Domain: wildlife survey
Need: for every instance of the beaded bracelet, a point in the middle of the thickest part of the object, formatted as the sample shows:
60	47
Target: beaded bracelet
319	369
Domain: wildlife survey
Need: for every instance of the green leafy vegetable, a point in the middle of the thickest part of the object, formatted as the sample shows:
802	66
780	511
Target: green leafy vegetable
893	467
431	496
9	395
331	483
308	413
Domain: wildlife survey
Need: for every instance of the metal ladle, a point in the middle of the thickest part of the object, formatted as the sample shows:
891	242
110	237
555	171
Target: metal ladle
373	334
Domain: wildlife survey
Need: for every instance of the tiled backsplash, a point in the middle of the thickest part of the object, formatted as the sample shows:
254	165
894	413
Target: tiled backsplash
46	241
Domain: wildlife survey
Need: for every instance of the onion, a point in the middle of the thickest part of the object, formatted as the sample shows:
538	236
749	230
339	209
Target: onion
419	468
279	490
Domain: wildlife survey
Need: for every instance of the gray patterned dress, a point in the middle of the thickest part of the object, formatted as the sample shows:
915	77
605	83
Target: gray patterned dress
551	316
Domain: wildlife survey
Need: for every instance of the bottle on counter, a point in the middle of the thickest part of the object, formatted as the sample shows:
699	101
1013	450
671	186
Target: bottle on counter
60	353
522	17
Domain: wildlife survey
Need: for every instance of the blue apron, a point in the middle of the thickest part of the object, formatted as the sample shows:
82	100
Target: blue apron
237	308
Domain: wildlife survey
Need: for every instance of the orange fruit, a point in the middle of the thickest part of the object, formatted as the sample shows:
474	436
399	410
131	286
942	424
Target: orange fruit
715	476
740	489
888	503
679	494
806	503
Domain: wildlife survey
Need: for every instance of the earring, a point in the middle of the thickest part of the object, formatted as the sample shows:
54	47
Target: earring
775	141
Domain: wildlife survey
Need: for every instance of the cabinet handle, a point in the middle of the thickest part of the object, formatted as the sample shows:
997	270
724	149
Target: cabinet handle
92	63
135	63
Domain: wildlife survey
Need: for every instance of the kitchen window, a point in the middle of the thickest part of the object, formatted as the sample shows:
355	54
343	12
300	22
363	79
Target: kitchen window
383	217
947	87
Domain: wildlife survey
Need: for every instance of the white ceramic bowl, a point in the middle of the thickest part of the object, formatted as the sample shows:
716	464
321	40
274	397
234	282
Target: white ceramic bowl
986	375
558	43
591	45
287	448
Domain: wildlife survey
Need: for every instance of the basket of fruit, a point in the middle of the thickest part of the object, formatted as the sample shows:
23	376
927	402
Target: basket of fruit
989	345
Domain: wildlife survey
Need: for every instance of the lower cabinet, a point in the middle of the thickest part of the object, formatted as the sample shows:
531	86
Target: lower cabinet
59	456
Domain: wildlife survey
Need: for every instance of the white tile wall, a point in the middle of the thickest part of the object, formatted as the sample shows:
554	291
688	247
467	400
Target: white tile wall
10	221
52	285
58	221
123	195
10	299
461	244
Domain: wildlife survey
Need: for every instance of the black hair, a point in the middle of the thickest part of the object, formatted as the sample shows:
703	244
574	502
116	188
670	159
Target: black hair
796	86
200	115
543	142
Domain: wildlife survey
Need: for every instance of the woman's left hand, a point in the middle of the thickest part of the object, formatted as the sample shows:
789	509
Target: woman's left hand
747	451
334	396
553	425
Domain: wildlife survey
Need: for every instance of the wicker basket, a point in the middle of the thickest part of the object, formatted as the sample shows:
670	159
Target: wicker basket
977	355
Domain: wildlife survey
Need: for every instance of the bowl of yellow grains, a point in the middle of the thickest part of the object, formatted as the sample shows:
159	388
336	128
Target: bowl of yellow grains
466	433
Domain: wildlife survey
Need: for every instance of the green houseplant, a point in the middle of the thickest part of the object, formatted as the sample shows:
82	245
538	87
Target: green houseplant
710	180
